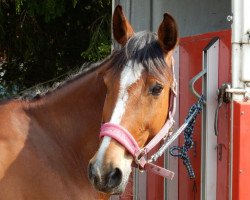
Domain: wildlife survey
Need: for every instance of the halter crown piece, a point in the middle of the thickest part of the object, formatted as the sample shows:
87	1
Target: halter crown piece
124	137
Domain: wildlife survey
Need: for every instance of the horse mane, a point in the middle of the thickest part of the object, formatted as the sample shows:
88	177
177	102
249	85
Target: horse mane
142	48
40	91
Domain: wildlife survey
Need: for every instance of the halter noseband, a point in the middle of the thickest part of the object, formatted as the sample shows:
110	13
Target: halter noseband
126	139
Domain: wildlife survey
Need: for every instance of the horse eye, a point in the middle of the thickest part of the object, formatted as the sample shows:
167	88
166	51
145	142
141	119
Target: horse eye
156	89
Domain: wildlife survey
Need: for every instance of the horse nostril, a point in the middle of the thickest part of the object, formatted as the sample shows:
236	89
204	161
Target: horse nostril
90	171
92	174
114	178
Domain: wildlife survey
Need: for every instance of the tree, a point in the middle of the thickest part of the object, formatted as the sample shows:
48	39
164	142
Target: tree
41	40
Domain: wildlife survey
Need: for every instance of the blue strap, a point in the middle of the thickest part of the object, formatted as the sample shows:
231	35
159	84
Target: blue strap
181	151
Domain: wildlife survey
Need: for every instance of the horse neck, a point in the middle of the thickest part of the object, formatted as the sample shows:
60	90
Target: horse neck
71	116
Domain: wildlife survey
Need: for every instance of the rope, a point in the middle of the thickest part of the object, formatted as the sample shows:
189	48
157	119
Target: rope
181	151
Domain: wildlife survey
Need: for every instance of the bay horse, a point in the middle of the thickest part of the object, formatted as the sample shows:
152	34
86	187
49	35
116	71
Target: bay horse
47	144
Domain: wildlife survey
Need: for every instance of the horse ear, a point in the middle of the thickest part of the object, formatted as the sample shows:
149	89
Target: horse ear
168	33
122	30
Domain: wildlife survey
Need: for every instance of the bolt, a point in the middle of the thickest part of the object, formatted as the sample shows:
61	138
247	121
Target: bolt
242	113
241	170
229	18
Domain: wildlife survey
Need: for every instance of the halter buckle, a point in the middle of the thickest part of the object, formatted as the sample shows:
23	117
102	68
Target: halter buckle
174	87
139	158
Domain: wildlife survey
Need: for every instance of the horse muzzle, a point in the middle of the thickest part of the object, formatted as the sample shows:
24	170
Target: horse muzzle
108	182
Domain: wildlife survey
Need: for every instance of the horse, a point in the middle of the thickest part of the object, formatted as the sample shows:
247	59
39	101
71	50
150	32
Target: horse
50	147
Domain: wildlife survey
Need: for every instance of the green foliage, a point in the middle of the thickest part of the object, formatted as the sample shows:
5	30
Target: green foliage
41	40
74	3
50	9
99	46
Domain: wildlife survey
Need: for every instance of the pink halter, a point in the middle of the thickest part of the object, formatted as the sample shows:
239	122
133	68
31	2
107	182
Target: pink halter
123	136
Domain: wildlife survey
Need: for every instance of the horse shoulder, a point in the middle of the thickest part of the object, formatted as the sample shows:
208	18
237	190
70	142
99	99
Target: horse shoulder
31	164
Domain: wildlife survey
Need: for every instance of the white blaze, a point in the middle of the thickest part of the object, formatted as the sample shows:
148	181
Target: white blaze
129	76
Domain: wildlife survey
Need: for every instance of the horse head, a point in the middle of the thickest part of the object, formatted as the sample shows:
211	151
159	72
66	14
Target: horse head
138	89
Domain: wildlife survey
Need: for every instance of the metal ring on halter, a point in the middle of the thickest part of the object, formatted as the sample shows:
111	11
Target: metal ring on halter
139	159
138	156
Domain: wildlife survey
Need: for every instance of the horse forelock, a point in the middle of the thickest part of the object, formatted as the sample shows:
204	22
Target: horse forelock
143	49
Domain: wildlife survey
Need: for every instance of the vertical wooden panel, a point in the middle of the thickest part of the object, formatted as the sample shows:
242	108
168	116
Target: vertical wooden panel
158	9
141	15
138	12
